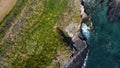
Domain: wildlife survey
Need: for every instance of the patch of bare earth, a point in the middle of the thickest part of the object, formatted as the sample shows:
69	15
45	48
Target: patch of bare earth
5	7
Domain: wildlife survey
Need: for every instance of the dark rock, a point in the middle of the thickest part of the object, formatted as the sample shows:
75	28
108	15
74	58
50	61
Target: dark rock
66	39
113	7
78	59
101	1
78	47
70	32
79	51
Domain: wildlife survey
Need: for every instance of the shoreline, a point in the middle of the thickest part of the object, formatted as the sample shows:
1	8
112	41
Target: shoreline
80	46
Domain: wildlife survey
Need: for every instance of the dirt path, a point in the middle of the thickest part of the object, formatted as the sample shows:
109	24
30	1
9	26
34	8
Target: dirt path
5	7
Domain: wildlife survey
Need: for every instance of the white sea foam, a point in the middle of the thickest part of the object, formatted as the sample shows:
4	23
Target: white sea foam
85	60
85	30
86	33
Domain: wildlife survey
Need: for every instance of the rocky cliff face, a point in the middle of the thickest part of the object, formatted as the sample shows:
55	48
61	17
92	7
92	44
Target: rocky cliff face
69	28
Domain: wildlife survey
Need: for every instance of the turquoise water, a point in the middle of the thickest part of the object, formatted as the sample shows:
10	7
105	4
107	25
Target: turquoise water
104	42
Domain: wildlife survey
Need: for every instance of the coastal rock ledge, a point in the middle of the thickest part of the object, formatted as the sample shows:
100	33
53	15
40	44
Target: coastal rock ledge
69	27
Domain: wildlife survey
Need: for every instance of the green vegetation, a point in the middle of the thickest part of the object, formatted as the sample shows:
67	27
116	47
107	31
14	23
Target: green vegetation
89	24
38	43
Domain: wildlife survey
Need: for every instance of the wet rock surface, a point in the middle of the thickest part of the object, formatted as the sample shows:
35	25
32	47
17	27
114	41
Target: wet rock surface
79	53
113	10
79	48
113	7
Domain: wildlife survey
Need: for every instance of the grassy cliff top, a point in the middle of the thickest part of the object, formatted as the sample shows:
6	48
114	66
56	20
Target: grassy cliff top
31	41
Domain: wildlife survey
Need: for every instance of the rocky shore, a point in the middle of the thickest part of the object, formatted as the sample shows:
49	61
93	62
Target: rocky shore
71	33
80	49
113	7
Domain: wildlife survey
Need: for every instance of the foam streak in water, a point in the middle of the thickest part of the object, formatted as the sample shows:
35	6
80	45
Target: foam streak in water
85	60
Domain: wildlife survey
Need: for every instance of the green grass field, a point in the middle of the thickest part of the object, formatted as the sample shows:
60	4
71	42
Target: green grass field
38	43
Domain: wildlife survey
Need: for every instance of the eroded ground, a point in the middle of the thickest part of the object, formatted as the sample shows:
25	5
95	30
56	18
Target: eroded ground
5	7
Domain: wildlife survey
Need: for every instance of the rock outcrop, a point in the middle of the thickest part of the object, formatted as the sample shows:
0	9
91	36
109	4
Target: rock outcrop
113	10
113	6
69	27
79	53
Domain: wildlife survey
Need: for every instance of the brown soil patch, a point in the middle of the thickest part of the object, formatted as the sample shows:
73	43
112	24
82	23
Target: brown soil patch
5	7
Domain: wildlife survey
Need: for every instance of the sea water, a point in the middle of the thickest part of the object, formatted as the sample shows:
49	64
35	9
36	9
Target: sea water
104	44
